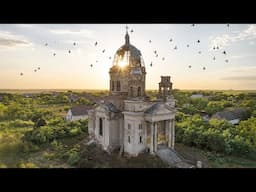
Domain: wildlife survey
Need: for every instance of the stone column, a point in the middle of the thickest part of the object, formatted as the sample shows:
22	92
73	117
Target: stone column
166	126
152	138
173	133
144	133
155	138
96	130
170	134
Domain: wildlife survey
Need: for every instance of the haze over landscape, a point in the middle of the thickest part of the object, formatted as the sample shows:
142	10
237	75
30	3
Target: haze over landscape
23	49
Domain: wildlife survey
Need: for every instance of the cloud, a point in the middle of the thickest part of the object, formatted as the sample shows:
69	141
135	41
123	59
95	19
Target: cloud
243	69
24	25
252	43
8	39
226	39
246	78
11	42
82	32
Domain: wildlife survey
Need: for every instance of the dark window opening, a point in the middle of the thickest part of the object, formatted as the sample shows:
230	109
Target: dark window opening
113	85
118	86
129	126
101	127
129	139
131	90
139	91
140	139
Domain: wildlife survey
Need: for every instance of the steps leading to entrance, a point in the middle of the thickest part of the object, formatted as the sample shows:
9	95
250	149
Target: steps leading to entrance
172	158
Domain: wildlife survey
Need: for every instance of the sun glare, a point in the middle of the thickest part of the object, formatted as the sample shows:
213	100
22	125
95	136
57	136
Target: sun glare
122	63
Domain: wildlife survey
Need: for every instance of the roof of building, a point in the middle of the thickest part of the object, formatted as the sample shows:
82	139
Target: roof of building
80	110
158	108
108	106
128	54
136	71
230	115
197	96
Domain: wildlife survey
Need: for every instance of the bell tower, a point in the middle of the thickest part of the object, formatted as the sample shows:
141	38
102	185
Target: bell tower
127	75
165	87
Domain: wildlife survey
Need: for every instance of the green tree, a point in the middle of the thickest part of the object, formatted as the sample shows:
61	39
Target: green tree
213	107
40	122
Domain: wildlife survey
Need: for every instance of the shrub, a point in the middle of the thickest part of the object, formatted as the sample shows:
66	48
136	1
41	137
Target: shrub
21	123
72	155
40	122
3	165
26	165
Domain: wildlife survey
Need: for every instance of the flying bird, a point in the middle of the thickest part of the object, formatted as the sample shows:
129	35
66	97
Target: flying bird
198	41
155	52
69	51
103	51
214	48
35	70
175	47
204	68
74	43
91	65
189	66
54	54
151	64
156	55
96	43
46	44
187	45
171	40
217	47
131	31
224	52
199	52
38	68
149	41
109	57
21	74
214	58
163	58
226	60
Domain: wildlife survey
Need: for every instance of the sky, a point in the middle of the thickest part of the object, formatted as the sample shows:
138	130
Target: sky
22	49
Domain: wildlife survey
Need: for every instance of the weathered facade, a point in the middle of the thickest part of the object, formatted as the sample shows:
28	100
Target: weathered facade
127	120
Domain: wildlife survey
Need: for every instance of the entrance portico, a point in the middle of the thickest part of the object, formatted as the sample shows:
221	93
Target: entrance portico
155	140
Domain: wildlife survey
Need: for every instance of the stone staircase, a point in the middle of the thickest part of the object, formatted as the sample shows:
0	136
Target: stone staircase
171	157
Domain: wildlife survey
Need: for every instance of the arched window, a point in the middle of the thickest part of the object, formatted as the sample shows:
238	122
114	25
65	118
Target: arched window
113	86
131	91
140	139
101	127
139	91
118	86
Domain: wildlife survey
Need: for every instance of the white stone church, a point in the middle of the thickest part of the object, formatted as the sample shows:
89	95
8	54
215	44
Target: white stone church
127	120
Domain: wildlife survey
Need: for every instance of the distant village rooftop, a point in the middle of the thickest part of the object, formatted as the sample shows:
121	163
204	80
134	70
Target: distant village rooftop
80	110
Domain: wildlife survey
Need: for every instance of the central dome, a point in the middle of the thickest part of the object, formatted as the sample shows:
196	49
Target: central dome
128	55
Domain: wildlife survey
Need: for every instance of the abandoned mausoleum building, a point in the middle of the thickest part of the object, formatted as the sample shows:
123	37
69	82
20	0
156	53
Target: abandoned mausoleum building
127	120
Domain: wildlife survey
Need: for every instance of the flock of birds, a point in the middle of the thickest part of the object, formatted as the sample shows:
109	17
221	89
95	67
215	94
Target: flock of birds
155	51
199	52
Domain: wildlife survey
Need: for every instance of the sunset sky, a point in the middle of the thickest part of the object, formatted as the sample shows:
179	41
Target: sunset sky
22	49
